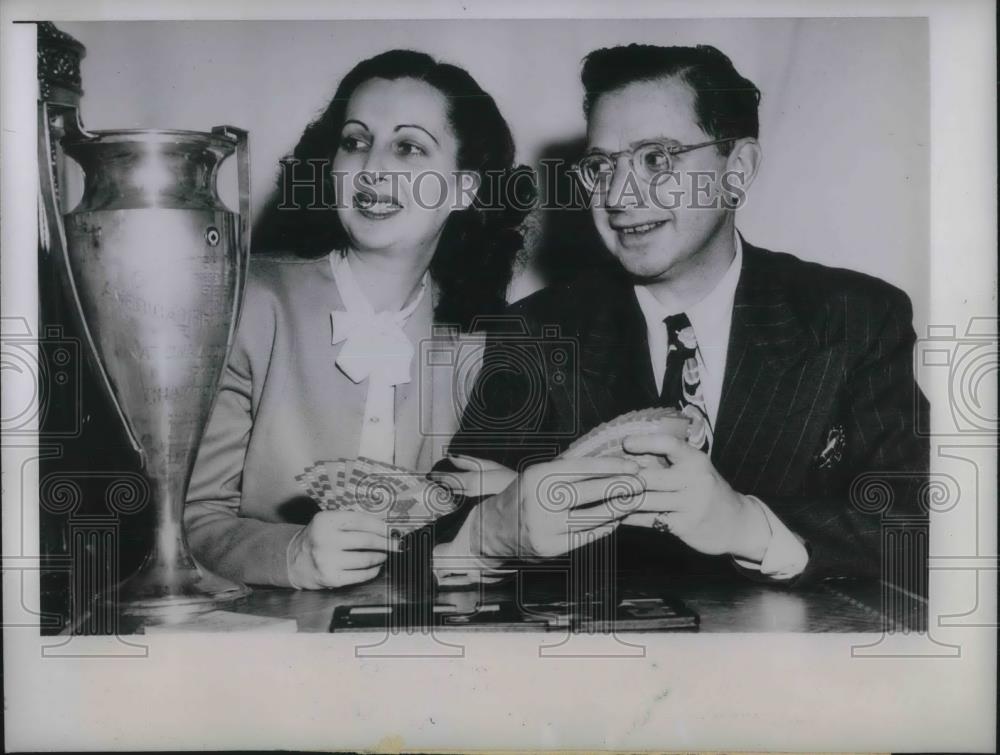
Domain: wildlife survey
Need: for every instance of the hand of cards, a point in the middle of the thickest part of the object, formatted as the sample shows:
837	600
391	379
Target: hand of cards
406	499
606	439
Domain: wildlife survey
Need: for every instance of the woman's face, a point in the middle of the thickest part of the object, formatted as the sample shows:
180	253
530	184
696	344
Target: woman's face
395	167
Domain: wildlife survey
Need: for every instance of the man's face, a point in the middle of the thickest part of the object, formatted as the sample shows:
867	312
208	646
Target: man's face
657	230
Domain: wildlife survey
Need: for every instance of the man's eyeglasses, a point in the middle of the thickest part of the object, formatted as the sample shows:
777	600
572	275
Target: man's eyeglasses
649	159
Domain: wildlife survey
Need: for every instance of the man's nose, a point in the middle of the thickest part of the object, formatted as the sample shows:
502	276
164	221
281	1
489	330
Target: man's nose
622	190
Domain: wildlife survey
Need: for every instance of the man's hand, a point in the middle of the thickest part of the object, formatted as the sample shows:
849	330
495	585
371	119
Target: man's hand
537	514
477	478
337	549
695	502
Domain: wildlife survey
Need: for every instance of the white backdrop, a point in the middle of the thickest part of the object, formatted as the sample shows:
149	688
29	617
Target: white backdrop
844	114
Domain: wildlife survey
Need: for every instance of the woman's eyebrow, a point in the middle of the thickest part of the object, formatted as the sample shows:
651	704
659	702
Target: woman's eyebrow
413	125
360	123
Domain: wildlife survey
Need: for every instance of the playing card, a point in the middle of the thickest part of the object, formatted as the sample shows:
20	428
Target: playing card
404	498
323	485
606	439
303	480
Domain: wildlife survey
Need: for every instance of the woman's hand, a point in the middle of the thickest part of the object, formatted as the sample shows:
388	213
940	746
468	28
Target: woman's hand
337	549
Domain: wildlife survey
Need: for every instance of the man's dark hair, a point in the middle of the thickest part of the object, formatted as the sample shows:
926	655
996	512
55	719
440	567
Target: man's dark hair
725	102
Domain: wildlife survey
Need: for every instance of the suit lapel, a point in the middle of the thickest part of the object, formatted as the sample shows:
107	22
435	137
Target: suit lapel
760	385
615	372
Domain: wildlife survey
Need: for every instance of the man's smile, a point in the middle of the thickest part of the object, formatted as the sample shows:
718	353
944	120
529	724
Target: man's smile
637	229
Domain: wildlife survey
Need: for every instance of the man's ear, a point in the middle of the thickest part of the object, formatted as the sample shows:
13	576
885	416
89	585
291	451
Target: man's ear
466	187
742	165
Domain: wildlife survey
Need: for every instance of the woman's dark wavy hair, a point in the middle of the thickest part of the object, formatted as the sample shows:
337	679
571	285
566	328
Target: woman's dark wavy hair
473	263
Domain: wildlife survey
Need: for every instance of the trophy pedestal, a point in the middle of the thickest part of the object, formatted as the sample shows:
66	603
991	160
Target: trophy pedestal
160	595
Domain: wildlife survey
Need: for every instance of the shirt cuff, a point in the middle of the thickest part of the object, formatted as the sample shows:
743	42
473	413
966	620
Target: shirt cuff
785	556
288	559
455	565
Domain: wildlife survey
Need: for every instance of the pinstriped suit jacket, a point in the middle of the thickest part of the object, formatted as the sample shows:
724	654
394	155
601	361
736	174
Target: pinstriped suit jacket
817	413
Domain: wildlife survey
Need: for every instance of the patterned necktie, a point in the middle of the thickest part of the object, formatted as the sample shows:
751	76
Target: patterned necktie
682	380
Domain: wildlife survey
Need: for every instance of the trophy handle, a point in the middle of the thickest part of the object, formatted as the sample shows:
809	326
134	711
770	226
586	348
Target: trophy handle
52	234
243	244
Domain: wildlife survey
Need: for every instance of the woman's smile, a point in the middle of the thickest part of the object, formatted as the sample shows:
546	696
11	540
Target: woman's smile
376	206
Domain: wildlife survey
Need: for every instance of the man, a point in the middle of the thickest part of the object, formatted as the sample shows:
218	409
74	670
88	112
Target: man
798	377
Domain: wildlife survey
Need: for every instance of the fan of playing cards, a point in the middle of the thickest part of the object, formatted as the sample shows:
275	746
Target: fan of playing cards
606	439
406	499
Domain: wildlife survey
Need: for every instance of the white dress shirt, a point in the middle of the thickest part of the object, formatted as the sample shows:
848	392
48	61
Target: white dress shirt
711	318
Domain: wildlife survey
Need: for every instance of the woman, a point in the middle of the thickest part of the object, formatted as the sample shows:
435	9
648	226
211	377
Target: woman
325	362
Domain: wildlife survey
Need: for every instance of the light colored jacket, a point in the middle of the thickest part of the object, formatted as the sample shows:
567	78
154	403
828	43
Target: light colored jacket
283	405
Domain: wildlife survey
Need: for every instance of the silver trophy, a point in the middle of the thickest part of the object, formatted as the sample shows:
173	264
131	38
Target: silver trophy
155	265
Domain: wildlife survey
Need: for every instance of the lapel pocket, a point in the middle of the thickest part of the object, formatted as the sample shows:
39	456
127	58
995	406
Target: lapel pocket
774	417
830	455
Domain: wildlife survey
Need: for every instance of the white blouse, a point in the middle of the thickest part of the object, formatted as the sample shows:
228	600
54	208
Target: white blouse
377	350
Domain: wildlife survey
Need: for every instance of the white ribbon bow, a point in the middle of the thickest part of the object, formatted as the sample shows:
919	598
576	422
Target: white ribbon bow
375	345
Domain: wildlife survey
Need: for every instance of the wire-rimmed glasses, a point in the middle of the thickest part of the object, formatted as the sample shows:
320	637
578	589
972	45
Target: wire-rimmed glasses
649	159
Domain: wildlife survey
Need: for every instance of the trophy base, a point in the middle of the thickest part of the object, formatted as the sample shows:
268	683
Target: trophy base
149	597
